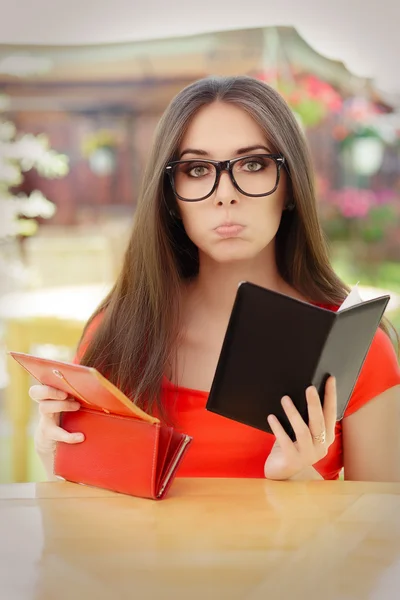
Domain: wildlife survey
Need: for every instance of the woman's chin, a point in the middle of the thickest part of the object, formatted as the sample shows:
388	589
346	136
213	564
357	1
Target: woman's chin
232	254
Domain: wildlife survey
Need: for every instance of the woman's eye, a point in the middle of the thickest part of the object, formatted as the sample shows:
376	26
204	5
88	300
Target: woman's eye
253	166
198	171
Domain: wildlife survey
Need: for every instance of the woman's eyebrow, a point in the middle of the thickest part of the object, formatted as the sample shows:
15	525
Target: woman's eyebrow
252	148
194	151
245	150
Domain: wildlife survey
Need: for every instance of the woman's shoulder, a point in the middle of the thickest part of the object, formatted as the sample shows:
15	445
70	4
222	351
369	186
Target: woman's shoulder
87	336
380	372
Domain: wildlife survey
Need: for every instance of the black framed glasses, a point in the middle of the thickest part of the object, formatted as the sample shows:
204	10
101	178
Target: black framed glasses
254	175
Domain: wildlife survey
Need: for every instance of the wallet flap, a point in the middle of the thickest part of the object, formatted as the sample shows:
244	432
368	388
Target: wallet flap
164	444
178	447
86	384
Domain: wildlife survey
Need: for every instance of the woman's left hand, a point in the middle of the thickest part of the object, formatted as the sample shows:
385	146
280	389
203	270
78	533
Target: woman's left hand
288	458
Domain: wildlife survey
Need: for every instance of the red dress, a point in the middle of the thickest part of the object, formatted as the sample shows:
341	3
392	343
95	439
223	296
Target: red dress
224	448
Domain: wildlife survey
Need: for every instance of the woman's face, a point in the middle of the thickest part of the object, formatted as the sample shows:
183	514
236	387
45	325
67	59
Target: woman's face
228	225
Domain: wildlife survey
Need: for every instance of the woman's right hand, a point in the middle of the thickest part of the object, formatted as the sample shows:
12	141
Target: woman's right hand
52	402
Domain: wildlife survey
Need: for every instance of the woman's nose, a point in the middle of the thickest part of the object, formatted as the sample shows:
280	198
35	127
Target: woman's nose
226	193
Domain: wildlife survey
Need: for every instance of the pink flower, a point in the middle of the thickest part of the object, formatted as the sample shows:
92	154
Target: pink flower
353	203
386	197
320	90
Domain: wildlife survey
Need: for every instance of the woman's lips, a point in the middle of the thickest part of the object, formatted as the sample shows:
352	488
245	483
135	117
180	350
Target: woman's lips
227	231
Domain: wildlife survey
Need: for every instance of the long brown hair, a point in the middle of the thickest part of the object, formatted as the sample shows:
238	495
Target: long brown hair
139	330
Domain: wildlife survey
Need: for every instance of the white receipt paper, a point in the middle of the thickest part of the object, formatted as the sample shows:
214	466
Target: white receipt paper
352	299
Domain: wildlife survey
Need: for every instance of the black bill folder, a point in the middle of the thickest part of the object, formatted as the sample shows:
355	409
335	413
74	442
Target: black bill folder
276	346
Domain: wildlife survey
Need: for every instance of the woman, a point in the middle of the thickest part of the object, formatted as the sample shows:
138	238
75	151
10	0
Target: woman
228	195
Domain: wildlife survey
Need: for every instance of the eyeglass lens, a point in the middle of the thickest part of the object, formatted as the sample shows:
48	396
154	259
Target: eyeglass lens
253	175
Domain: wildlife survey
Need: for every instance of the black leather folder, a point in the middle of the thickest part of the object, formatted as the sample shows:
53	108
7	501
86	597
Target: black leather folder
276	345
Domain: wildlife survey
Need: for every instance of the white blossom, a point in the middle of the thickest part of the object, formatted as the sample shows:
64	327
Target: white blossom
18	154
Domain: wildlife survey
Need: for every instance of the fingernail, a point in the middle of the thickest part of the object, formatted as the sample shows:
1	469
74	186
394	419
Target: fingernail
286	401
61	395
79	437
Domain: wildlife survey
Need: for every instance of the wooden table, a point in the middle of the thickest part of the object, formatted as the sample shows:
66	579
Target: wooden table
217	539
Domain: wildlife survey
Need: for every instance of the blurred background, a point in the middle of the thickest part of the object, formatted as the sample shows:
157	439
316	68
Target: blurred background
79	101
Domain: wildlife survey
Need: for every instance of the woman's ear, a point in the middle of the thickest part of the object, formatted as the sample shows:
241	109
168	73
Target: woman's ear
173	208
174	214
171	205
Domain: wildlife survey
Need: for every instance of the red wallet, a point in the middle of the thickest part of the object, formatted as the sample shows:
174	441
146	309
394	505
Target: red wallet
125	449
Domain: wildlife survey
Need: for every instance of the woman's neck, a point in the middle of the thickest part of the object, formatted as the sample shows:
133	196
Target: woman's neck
214	289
